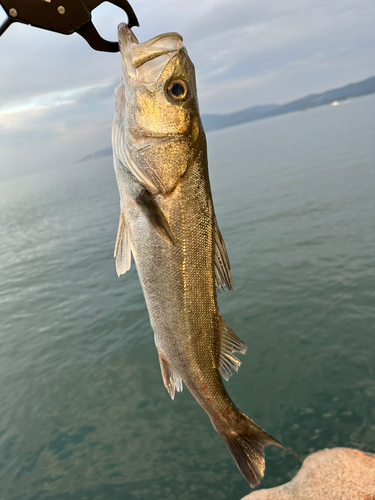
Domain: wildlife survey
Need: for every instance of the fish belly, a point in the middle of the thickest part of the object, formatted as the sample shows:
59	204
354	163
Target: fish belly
178	278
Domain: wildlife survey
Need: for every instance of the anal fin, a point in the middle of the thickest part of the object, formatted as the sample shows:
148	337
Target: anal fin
172	381
122	252
229	343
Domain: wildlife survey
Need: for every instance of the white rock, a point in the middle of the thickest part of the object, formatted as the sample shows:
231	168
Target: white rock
331	474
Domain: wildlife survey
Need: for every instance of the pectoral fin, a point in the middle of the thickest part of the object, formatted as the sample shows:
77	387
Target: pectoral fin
222	266
122	248
229	343
153	213
172	381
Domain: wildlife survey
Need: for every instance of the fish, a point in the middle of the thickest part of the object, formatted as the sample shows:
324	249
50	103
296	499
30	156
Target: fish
168	225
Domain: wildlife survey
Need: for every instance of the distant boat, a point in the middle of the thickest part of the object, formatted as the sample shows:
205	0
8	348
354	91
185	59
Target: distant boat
303	108
334	103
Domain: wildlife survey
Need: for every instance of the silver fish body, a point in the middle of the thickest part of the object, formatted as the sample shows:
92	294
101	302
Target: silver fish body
168	224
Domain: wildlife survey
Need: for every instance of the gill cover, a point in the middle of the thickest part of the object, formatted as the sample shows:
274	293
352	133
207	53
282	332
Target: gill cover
156	118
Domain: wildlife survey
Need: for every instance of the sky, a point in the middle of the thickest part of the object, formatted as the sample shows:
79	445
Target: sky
56	93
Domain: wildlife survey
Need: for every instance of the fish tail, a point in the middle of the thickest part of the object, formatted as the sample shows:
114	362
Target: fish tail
246	442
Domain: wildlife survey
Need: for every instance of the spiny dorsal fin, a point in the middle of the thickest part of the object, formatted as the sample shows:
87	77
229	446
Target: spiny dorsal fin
222	266
172	381
154	214
122	248
229	343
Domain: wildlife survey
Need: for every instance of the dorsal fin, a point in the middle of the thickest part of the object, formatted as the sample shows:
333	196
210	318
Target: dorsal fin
122	252
172	381
229	343
222	266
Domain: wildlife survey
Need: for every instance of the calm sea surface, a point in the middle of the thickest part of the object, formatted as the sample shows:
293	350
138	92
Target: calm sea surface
84	414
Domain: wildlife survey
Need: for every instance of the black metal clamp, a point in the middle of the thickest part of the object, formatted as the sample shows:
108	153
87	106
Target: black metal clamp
64	16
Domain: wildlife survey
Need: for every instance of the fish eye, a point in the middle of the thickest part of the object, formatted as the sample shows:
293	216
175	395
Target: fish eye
178	90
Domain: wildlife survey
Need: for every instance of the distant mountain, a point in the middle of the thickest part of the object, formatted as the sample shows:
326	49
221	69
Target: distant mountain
96	156
216	122
341	94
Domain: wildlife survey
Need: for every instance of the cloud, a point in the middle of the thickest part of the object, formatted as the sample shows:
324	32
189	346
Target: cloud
56	93
268	27
55	129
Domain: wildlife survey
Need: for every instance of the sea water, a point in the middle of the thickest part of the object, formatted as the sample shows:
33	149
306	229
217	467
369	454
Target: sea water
84	414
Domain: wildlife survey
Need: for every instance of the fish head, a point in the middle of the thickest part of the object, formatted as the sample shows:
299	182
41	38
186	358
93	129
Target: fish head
157	122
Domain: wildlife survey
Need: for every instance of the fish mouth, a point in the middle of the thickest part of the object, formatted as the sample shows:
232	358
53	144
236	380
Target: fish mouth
125	34
138	54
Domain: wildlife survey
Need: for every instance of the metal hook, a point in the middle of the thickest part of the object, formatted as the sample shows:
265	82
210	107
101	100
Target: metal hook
68	17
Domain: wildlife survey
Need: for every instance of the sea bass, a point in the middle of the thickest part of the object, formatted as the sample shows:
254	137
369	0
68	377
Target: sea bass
168	223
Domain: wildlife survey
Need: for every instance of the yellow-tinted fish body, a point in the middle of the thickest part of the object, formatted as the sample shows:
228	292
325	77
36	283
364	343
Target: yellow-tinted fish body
168	224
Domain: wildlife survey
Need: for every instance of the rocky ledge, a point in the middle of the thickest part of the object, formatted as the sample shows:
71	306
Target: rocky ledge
331	474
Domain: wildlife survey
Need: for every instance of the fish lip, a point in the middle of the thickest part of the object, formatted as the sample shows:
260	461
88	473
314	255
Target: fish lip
168	34
125	34
126	40
158	140
149	141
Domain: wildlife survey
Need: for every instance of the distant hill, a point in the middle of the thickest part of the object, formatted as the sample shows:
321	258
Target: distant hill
216	122
96	156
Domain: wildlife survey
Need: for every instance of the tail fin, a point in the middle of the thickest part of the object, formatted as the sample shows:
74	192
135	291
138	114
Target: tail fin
246	444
